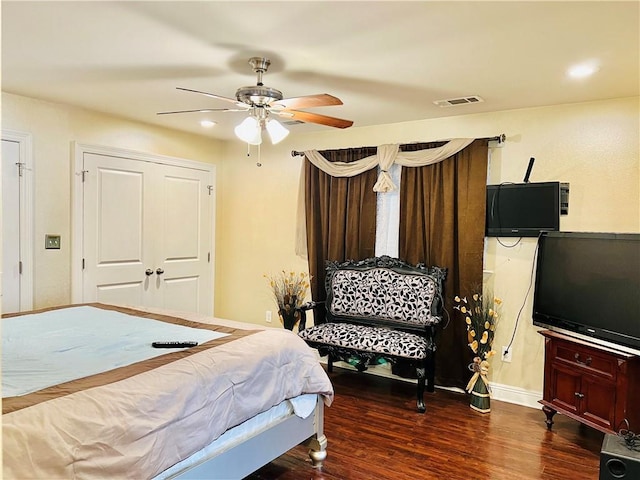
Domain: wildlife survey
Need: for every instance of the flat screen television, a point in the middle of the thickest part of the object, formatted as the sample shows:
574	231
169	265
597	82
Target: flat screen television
589	284
522	209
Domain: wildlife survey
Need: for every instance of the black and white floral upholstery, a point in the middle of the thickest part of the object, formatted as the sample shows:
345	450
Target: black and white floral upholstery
383	294
383	341
381	308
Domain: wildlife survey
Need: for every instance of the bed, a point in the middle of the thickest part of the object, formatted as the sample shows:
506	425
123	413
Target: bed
85	395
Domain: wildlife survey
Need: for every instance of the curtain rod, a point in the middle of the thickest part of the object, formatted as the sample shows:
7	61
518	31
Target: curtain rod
498	138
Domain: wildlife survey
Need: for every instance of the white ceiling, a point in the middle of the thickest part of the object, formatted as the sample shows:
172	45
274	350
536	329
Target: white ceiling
387	61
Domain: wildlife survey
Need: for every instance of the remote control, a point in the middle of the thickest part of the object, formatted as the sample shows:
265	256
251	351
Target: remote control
174	344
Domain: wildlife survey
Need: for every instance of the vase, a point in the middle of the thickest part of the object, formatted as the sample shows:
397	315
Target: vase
480	398
289	317
478	386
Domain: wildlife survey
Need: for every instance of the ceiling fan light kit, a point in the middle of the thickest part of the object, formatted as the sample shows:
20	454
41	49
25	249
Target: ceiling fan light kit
261	101
249	131
277	132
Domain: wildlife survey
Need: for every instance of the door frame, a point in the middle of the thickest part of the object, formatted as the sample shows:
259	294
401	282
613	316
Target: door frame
77	205
25	140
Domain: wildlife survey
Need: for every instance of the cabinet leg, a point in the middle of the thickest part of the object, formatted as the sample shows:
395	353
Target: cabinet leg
549	412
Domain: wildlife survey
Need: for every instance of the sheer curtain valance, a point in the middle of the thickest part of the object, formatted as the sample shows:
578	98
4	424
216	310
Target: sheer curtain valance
385	157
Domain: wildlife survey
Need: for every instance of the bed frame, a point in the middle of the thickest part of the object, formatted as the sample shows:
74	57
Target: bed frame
245	457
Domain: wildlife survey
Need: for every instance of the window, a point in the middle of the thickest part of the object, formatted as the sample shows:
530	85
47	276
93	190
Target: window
388	217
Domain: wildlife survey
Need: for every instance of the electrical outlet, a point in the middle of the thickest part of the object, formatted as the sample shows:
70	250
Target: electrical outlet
506	355
267	316
52	242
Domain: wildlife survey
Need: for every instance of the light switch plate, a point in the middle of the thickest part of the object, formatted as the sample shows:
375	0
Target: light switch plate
52	242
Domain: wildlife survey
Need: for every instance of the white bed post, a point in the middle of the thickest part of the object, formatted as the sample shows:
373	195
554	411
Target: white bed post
318	442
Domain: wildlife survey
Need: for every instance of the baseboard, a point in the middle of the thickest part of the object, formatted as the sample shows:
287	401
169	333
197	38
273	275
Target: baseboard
499	392
517	395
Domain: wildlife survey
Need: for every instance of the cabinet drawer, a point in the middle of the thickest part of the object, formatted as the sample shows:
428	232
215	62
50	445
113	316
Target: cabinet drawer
587	359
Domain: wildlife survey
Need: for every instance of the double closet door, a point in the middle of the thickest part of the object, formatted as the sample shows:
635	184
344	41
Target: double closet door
147	233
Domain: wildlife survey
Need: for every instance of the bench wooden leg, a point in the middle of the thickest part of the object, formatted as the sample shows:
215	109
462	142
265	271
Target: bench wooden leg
330	363
426	376
420	371
430	367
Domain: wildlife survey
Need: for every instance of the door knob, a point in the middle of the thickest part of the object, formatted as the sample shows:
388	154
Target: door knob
159	271
148	272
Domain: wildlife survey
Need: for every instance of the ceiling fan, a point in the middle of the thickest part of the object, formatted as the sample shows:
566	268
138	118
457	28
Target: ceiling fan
262	101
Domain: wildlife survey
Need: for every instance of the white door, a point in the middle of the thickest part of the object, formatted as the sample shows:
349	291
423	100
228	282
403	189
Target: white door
10	227
116	248
146	234
183	247
17	255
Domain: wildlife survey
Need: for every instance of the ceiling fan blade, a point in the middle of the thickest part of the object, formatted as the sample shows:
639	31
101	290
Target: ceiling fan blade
212	95
205	110
316	118
308	101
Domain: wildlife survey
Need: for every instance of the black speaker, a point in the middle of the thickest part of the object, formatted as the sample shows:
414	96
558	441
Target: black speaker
617	460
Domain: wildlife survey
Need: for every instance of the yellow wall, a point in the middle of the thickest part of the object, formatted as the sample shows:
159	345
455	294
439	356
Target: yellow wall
593	146
53	128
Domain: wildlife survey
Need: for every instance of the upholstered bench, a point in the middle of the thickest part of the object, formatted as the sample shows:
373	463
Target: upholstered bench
378	309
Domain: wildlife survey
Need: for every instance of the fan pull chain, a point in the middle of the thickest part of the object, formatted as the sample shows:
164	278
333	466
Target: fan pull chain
258	163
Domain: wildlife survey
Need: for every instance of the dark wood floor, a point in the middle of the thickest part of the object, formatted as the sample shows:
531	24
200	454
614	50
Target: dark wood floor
374	432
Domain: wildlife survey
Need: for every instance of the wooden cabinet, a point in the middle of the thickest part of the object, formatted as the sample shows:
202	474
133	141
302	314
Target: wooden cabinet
596	385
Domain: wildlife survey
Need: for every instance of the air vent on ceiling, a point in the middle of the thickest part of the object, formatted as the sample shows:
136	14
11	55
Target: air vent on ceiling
453	102
292	122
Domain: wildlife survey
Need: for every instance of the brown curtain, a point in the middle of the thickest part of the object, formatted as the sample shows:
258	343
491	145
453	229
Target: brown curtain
442	212
341	217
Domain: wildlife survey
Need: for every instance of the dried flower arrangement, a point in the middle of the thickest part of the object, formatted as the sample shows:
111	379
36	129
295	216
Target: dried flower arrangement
481	316
289	291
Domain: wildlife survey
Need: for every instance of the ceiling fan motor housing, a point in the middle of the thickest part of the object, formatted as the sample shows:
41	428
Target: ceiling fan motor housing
258	95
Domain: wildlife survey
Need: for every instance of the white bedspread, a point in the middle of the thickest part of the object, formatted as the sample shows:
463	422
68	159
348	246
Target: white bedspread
139	426
56	346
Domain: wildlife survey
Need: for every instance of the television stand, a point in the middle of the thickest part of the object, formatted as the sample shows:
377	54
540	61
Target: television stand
590	383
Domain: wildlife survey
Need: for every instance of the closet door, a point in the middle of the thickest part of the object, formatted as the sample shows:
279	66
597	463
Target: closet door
146	234
183	241
118	235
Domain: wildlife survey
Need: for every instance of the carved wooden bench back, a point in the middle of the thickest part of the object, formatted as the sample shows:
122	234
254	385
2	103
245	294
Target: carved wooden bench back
384	291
